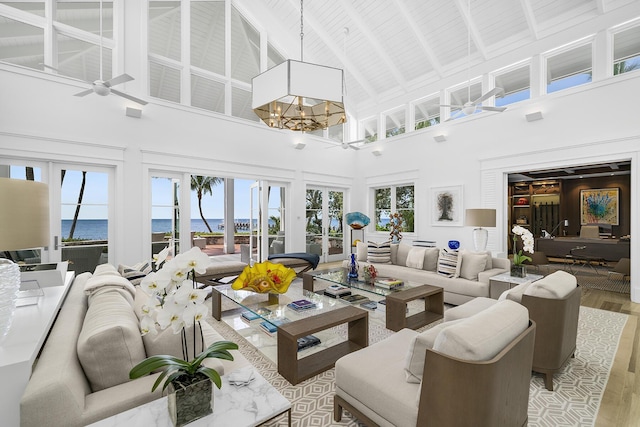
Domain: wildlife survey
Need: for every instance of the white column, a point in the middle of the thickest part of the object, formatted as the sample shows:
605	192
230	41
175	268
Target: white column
229	229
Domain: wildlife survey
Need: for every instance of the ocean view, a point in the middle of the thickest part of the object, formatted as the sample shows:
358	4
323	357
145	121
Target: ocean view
96	229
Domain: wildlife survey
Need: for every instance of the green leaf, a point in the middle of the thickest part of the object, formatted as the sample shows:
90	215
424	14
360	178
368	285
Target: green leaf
212	374
154	363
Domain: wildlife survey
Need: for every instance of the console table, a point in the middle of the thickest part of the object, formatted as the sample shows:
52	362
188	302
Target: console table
29	329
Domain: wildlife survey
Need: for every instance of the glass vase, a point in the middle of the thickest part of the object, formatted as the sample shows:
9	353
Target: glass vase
9	287
353	268
190	398
518	271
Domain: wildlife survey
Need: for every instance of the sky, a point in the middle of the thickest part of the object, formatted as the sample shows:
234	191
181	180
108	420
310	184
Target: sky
94	203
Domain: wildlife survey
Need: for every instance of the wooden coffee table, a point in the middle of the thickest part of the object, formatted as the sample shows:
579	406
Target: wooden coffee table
397	307
297	370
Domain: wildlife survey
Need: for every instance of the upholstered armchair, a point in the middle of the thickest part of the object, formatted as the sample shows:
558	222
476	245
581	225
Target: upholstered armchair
556	331
474	372
554	305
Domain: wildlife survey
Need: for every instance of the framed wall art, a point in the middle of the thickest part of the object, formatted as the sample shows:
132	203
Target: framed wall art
446	206
600	206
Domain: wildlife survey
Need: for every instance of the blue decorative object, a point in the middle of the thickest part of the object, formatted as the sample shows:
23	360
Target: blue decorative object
357	220
353	268
454	245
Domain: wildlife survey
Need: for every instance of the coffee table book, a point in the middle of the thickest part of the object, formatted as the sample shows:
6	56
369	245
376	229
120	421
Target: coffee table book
388	283
354	299
302	304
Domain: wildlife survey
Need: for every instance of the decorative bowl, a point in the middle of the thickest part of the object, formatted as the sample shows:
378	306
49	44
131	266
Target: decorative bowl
454	244
357	220
265	277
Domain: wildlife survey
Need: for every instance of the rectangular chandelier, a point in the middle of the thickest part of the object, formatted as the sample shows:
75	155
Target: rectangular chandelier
299	96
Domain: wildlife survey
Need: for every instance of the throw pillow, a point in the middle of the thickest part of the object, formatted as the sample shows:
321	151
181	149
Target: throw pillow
361	251
430	262
135	273
109	344
414	362
379	253
415	258
447	262
402	254
471	265
515	293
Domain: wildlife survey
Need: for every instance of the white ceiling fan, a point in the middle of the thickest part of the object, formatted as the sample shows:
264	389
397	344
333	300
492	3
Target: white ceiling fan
347	145
104	88
470	106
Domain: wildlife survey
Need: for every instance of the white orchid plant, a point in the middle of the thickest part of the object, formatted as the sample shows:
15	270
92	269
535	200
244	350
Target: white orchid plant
174	299
527	244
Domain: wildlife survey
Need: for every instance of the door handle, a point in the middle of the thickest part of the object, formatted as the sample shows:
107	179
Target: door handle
55	243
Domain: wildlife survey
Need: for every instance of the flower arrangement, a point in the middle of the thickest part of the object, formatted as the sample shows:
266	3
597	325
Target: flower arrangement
175	301
370	273
265	277
527	244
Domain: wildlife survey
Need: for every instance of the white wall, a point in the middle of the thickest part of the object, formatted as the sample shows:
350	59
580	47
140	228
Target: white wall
41	120
593	123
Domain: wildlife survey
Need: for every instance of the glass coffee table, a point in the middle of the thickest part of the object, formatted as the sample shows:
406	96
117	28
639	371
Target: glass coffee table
274	309
399	313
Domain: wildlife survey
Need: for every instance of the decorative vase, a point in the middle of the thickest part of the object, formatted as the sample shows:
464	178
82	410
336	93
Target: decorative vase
370	274
518	271
353	268
454	245
190	398
9	287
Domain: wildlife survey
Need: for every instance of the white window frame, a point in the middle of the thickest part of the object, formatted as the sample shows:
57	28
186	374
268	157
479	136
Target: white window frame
589	40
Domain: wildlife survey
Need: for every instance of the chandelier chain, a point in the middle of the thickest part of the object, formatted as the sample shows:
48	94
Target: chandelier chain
301	31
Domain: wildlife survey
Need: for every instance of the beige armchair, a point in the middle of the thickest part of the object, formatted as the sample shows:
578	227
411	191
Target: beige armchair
556	331
462	390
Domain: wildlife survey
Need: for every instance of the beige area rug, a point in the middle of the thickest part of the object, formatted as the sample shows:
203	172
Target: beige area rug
574	402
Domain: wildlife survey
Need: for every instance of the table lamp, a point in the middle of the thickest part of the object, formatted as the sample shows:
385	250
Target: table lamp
24	224
480	218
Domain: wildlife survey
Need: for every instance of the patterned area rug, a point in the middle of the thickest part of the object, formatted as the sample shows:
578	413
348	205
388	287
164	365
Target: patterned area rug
596	277
575	400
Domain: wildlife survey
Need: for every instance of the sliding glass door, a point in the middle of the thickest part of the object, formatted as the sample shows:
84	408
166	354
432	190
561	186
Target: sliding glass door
325	223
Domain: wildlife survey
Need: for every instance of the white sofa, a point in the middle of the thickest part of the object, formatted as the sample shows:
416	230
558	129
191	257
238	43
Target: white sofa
65	391
471	279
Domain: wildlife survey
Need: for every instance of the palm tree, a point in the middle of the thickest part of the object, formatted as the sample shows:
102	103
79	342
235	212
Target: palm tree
77	212
624	67
203	185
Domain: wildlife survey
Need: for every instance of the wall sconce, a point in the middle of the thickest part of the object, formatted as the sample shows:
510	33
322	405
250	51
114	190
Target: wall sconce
299	145
133	112
377	153
440	138
532	117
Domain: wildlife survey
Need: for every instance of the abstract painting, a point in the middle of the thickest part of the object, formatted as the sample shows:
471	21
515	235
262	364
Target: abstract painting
599	206
446	205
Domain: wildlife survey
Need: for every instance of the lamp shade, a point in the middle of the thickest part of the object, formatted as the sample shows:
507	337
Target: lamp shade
24	214
299	96
480	217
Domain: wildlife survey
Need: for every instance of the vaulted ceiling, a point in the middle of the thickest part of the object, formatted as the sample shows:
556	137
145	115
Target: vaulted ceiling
392	51
395	47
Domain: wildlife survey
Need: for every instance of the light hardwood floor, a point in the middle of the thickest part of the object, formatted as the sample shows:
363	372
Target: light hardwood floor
620	406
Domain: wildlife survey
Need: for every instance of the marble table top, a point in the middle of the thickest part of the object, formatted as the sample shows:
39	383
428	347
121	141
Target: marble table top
249	405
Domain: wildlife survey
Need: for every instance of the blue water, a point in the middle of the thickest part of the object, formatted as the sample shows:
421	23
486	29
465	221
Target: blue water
96	229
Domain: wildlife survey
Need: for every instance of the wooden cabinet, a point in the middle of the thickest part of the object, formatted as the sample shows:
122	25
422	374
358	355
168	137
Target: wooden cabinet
535	205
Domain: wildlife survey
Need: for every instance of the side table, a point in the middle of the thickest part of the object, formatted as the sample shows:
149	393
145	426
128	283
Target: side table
504	281
397	307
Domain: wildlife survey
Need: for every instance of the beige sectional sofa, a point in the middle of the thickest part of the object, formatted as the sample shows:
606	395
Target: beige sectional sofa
82	373
471	279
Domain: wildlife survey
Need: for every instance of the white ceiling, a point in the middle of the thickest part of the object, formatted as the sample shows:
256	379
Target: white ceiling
396	47
395	51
